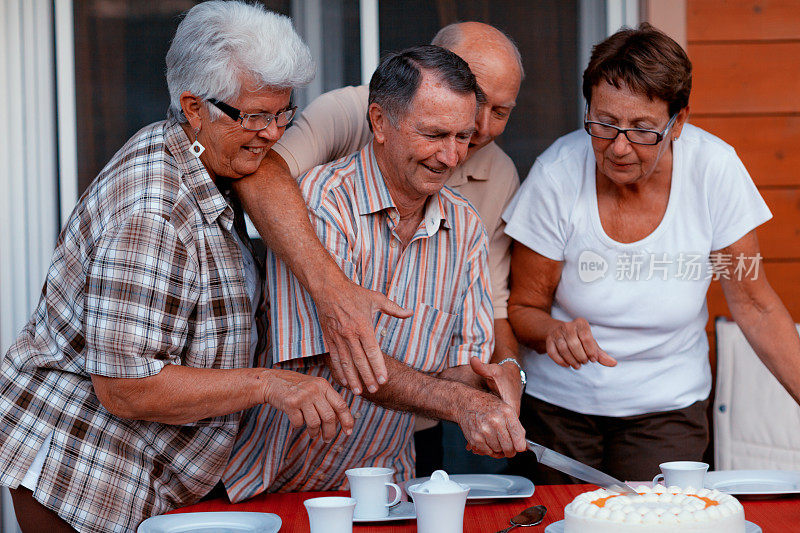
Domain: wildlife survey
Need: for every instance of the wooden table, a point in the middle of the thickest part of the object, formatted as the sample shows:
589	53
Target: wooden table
780	515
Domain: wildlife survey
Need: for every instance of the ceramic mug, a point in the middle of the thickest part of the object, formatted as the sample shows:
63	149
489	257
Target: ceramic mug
683	474
330	514
368	487
439	512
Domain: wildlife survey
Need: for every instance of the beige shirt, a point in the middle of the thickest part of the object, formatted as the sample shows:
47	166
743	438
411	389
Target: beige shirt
335	125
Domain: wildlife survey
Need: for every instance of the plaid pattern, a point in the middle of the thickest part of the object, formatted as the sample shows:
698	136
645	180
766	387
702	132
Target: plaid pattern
146	273
442	274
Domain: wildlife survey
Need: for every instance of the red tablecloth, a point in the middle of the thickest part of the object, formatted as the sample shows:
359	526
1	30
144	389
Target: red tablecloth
781	515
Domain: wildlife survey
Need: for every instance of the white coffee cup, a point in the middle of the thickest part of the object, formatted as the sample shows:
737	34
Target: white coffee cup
368	487
683	474
330	514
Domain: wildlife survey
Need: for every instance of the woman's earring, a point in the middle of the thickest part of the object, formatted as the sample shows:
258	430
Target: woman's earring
196	148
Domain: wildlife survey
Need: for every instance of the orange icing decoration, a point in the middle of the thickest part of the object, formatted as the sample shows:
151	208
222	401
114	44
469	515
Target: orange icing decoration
709	502
601	502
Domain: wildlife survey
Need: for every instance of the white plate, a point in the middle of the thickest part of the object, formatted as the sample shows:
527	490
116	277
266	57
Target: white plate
558	527
754	482
219	522
489	486
401	511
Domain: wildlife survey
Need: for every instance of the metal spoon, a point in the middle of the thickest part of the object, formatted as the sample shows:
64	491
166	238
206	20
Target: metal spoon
532	516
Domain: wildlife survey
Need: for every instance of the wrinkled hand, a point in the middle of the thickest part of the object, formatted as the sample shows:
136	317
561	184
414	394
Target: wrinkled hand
572	344
491	426
309	401
503	380
346	314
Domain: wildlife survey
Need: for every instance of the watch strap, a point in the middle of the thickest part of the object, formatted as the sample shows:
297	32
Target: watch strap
522	377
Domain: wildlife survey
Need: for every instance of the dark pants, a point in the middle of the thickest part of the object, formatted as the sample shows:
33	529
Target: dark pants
33	517
629	448
428	449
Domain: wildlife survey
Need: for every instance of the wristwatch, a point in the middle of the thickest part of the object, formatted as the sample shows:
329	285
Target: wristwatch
522	376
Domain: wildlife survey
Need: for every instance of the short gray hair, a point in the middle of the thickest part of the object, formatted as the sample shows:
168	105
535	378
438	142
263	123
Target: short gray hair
395	82
219	42
451	36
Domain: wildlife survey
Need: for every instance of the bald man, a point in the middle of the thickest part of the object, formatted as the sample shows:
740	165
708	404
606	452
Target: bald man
335	125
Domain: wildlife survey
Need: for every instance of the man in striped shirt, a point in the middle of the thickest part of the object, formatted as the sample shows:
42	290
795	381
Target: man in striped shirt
384	216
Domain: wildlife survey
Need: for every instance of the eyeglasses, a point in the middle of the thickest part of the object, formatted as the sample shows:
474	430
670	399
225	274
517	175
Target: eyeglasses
256	121
601	130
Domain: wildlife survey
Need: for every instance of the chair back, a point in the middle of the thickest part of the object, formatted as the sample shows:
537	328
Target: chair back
756	422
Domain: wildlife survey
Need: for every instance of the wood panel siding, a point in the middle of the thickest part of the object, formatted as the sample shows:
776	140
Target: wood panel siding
780	237
745	78
771	156
765	20
746	90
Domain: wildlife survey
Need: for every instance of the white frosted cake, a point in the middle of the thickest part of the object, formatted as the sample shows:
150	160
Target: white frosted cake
656	510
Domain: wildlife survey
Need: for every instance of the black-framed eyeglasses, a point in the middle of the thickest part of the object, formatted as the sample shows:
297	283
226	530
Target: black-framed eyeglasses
601	130
256	121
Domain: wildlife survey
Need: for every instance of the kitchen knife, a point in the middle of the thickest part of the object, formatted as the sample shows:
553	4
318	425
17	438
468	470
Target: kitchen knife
574	468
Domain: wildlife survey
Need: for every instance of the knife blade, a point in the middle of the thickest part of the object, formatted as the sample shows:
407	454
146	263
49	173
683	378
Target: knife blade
574	468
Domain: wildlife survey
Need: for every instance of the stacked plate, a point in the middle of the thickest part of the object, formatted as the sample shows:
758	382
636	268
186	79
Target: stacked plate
221	522
754	483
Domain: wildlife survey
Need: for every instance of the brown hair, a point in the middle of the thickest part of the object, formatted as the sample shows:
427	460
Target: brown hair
645	60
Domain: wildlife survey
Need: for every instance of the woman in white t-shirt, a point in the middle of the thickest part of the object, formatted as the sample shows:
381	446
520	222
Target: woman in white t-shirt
619	230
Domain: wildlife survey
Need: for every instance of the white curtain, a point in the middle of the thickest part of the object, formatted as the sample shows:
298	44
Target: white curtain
28	169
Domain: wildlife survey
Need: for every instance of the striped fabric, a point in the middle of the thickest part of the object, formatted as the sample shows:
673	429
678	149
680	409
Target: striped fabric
146	273
442	274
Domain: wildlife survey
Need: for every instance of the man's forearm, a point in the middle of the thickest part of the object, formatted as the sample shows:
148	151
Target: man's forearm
439	398
273	201
490	426
465	375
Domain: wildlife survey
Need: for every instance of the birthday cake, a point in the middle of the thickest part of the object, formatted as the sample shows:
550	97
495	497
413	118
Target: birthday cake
655	510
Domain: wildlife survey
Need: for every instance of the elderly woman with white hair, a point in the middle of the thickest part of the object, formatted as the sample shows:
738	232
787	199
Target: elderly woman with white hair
121	397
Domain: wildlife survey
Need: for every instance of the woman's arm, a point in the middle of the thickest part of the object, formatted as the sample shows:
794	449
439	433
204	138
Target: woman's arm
534	279
142	288
760	313
182	395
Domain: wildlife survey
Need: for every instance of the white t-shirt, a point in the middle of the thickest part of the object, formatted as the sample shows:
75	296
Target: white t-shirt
646	300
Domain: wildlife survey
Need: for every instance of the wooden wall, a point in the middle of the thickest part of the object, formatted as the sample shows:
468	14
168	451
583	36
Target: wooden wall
746	90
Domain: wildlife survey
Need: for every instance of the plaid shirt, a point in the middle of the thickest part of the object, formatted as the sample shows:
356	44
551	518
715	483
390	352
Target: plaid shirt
146	273
442	274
